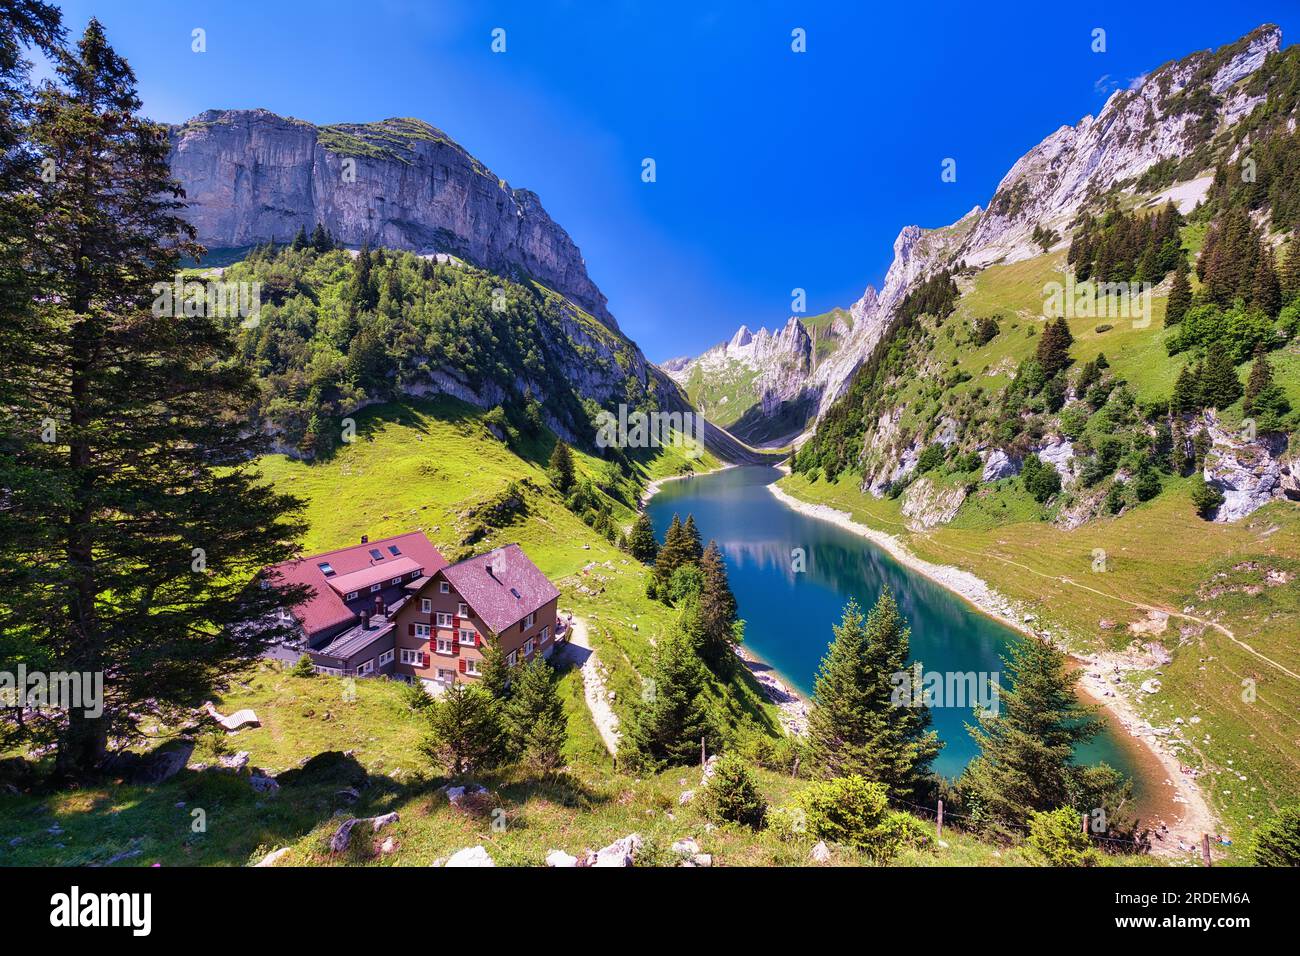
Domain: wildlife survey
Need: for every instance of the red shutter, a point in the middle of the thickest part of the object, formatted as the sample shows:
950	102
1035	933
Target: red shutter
478	640
424	659
455	645
462	665
455	622
410	629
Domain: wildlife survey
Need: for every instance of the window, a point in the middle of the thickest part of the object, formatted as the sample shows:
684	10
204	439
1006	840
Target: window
375	587
377	554
367	667
409	656
330	671
444	587
528	647
444	619
546	633
385	658
446	675
426	605
462	609
392	549
471	667
326	568
352	596
416	573
422	630
510	658
444	645
467	637
527	622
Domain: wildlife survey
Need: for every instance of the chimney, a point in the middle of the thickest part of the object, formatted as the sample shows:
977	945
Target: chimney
365	620
365	539
379	606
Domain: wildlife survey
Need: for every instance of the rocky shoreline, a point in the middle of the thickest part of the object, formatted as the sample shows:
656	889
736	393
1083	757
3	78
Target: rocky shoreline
1194	816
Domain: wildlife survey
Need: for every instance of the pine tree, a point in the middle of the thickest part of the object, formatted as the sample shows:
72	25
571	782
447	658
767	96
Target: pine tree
494	672
129	539
858	723
692	546
672	554
1290	279
1218	385
1265	400
1053	352
1187	389
717	612
320	239
641	543
364	295
465	731
1026	759
672	716
534	717
299	239
1180	294
561	468
1265	293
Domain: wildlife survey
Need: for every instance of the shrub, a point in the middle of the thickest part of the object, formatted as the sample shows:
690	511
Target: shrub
855	812
788	824
731	795
1278	841
304	667
1205	497
931	458
1057	837
415	696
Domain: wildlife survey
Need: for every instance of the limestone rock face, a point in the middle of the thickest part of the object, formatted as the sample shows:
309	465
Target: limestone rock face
1249	474
1000	464
251	176
1059	453
925	505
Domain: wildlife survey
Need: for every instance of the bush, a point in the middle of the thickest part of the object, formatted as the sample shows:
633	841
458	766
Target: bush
415	696
788	824
1205	497
731	795
770	753
1278	841
1058	838
855	812
304	667
1041	479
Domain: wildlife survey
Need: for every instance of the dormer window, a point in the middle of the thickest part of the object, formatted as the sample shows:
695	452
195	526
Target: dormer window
326	568
392	549
352	596
377	554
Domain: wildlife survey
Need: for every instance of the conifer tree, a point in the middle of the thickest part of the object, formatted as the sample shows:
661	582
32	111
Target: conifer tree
641	543
717	612
494	675
131	533
1219	385
1265	293
1180	294
561	468
672	715
1053	352
465	731
1186	396
1026	761
692	546
858	723
1264	399
1290	278
299	239
672	554
320	239
534	718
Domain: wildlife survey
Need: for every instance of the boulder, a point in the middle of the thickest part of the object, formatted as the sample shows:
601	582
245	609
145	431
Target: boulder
561	859
273	857
470	856
342	837
388	846
263	784
456	795
383	820
821	853
686	847
1059	453
620	852
236	762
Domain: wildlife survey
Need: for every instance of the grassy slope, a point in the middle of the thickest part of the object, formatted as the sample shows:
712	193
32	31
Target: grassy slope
1159	553
420	466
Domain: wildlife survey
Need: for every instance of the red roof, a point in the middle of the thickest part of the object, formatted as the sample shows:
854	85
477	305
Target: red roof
351	566
512	589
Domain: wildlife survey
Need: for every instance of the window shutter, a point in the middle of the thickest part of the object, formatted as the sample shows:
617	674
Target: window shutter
424	659
455	646
478	640
462	665
410	629
455	622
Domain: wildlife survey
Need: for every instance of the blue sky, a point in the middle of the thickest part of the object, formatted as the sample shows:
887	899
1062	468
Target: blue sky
776	170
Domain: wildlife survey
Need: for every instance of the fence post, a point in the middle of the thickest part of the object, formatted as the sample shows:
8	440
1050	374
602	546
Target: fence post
939	817
1205	849
1085	824
703	760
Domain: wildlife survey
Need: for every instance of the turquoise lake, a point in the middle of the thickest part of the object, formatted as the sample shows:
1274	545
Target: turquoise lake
789	614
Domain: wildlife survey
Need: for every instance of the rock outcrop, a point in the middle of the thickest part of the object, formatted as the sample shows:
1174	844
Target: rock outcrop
1249	474
251	176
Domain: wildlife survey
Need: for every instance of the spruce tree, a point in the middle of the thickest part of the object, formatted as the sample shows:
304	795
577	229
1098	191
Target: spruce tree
1265	293
692	546
1290	278
1219	384
534	718
1053	352
1186	396
672	555
465	731
858	723
561	468
133	523
1026	760
717	612
320	239
299	239
1180	294
672	715
641	543
494	673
